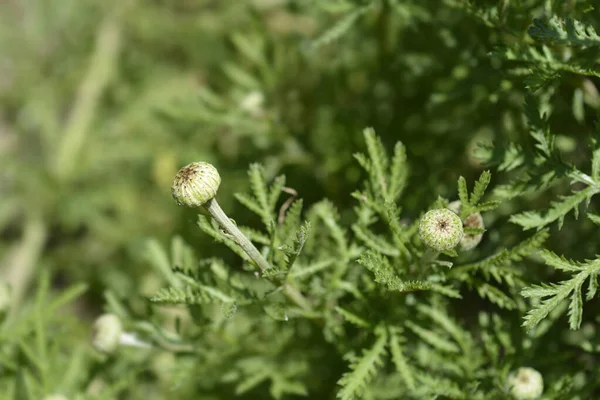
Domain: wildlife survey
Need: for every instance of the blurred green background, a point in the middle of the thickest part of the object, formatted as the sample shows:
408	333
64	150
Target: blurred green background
102	101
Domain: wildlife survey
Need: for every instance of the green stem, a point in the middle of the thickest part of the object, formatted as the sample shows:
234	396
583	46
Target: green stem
215	210
98	75
289	290
20	264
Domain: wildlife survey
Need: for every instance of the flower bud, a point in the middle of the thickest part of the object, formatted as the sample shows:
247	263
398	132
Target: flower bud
106	333
526	384
441	229
195	184
469	242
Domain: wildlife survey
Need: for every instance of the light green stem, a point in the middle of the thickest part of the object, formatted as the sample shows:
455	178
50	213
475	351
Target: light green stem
97	77
289	290
215	210
20	264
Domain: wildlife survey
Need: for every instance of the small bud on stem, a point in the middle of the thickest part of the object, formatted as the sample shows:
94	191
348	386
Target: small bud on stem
526	384
441	229
108	335
196	185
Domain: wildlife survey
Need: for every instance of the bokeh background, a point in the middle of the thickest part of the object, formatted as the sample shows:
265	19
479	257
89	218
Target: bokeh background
102	101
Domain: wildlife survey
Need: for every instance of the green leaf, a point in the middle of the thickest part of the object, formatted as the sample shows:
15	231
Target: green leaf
575	308
564	31
463	191
400	360
375	242
379	162
432	338
277	311
538	219
398	171
560	263
259	189
596	164
353	318
299	241
341	27
556	293
595	218
275	192
363	368
480	186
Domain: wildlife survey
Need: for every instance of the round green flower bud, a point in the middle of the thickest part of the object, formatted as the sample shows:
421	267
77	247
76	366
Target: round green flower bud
469	242
106	333
441	229
195	184
526	384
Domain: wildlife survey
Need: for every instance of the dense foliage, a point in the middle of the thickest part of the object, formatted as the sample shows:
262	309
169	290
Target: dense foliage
335	126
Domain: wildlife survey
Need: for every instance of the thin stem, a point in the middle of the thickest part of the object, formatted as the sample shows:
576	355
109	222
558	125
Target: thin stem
215	210
89	93
20	264
289	290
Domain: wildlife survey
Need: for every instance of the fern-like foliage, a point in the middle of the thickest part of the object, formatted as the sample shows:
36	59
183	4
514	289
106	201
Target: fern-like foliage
499	269
363	367
343	25
564	31
470	204
384	274
566	204
554	294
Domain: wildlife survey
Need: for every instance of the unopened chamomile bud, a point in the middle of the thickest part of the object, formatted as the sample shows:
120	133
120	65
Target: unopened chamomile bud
469	242
441	229
107	333
195	184
526	384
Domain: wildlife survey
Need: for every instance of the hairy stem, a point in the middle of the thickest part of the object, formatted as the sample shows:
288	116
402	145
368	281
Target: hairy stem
289	290
215	210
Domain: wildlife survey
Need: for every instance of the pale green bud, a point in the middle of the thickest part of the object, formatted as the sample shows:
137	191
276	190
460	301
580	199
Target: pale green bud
441	229
526	384
106	333
195	184
469	242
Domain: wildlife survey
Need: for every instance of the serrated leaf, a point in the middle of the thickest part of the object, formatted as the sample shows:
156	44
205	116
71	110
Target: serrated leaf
463	191
538	313
374	242
564	31
353	318
275	191
558	262
596	164
595	218
399	359
398	171
575	308
480	186
363	369
277	311
340	27
543	290
593	286
432	338
538	219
